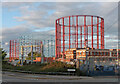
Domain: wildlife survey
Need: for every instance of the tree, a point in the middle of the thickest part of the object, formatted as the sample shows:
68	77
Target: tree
3	53
35	54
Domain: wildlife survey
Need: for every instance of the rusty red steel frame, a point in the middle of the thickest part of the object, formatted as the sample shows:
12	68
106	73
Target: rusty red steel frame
13	50
78	31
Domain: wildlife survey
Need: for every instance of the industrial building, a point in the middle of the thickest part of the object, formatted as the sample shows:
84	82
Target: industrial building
100	56
81	38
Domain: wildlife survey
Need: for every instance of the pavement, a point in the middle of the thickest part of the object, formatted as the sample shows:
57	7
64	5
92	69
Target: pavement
24	77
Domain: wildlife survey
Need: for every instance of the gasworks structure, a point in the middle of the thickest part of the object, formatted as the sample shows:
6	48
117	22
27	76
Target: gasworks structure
79	31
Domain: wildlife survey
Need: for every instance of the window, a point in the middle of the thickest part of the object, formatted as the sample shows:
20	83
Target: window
110	59
80	53
94	53
90	53
107	53
74	52
101	53
104	53
83	53
97	59
97	53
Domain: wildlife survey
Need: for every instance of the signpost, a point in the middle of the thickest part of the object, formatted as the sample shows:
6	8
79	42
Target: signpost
71	70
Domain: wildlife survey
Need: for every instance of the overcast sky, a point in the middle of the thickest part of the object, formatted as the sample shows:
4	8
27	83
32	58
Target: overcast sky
19	18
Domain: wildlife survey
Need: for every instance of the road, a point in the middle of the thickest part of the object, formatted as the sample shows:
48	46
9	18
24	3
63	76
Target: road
24	77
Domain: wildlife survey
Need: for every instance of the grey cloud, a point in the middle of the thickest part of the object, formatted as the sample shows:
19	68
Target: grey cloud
40	18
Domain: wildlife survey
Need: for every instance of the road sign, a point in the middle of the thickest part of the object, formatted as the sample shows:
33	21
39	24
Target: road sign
70	69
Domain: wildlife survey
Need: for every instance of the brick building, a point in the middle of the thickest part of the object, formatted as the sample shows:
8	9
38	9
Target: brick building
99	55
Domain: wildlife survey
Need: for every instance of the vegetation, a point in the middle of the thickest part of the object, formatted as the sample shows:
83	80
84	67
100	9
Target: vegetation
35	54
46	67
3	54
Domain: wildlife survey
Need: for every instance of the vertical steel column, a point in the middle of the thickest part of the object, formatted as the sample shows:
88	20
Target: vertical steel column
77	30
22	54
84	31
54	47
87	35
18	50
48	48
59	32
97	32
69	33
73	33
63	39
10	51
92	31
59	38
56	40
39	46
35	46
101	35
51	47
42	56
15	49
44	53
31	54
81	35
